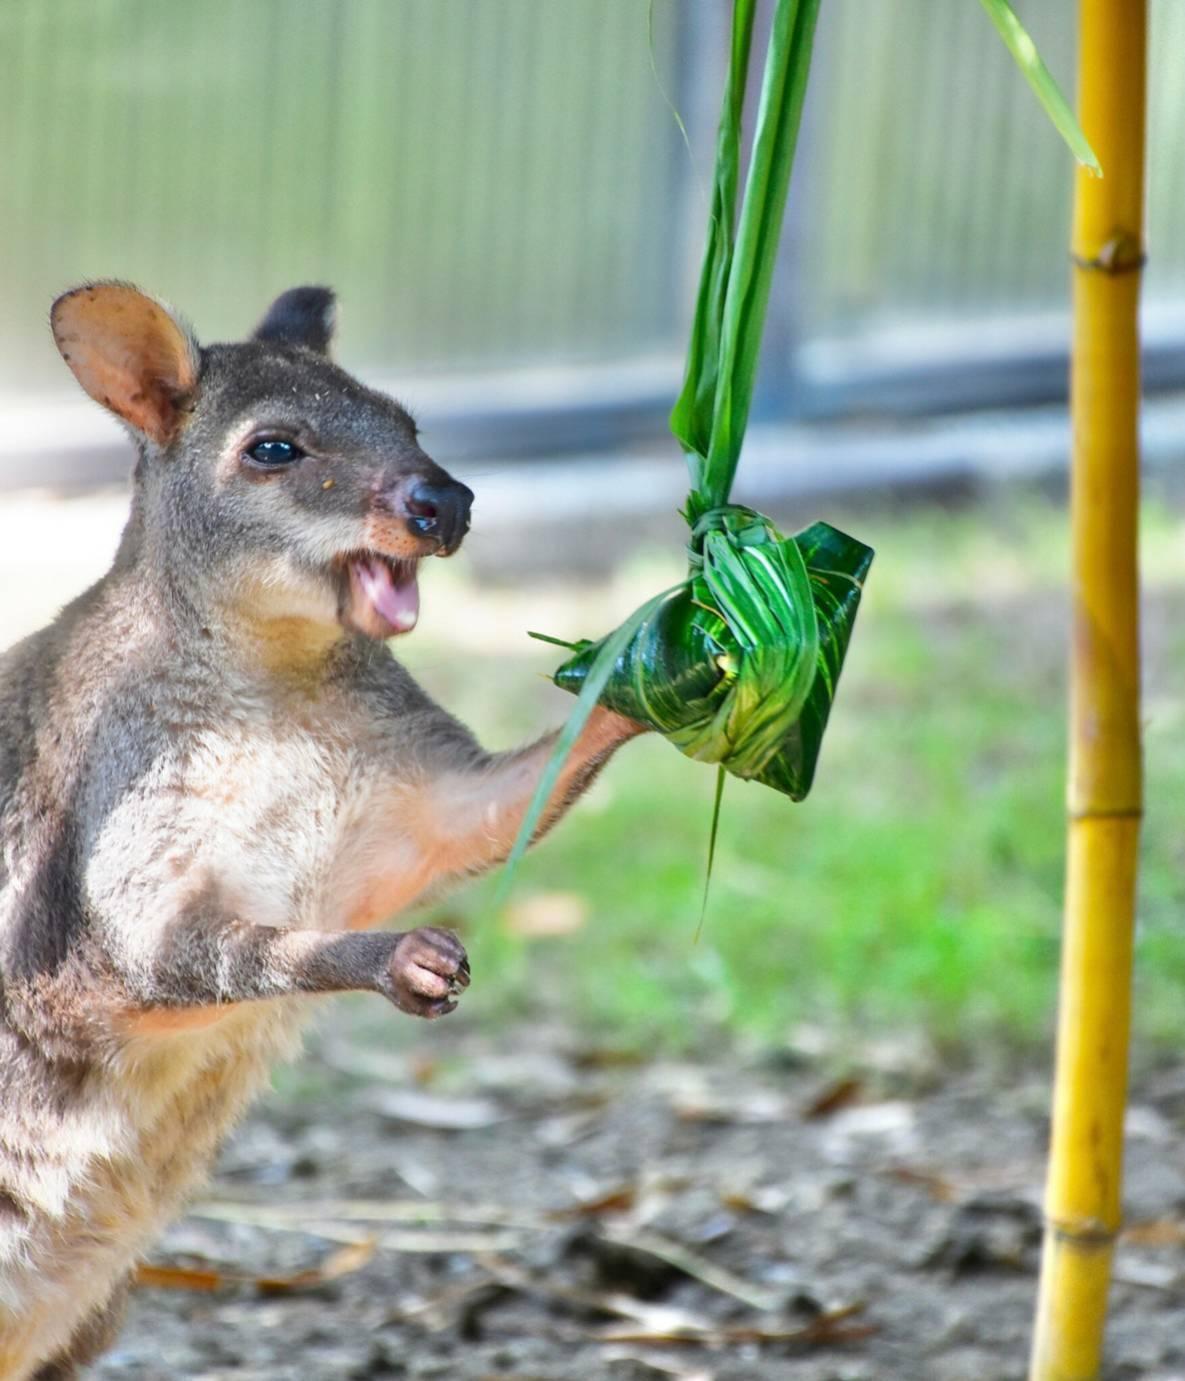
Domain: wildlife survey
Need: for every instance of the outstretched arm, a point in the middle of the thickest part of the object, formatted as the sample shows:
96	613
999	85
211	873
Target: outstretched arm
474	812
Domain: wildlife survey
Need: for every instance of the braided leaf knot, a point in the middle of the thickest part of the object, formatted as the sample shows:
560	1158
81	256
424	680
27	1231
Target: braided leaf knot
738	664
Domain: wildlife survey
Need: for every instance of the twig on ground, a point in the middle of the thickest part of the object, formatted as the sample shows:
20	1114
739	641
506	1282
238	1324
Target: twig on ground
698	1268
834	1326
297	1214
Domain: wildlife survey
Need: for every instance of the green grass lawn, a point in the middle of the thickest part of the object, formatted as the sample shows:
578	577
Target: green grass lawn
919	888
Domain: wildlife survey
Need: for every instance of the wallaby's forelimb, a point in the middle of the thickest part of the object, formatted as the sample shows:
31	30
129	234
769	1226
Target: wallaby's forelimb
478	814
204	959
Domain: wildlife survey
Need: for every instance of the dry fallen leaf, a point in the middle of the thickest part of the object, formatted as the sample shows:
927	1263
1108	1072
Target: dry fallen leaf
834	1326
935	1184
754	1106
546	913
698	1267
768	1199
640	1313
842	1093
345	1260
180	1278
351	1257
445	1113
619	1199
1154	1232
606	1057
330	1218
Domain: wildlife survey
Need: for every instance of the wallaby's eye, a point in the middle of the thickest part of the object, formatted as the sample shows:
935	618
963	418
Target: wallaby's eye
274	453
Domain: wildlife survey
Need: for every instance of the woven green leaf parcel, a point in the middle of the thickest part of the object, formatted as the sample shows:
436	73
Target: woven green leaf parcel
739	665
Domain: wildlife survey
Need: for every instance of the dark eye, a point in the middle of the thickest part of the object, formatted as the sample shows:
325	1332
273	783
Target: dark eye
274	453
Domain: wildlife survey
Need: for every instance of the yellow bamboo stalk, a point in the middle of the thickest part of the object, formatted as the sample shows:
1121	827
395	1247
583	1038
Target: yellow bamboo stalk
1084	1188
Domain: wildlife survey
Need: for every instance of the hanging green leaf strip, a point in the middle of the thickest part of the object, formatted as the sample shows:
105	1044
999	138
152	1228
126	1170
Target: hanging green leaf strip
691	419
759	230
1041	80
711	413
741	668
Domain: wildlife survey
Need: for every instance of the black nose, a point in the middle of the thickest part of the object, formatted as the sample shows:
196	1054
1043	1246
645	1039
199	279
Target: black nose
440	511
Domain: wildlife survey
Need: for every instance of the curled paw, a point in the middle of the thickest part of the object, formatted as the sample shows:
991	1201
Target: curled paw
427	972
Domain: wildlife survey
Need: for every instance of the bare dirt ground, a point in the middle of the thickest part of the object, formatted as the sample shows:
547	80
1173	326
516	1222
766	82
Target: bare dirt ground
527	1209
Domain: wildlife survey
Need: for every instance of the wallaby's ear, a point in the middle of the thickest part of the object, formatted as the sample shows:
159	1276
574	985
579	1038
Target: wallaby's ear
129	353
301	316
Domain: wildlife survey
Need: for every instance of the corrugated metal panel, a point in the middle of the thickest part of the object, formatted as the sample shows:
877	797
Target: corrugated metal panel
1166	144
938	190
483	181
497	183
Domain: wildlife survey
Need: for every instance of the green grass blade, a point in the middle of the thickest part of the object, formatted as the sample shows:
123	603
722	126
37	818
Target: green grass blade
1039	77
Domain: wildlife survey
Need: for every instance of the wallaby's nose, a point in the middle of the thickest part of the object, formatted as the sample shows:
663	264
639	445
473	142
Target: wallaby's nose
440	511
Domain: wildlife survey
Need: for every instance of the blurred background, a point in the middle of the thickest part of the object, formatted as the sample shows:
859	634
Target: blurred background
510	200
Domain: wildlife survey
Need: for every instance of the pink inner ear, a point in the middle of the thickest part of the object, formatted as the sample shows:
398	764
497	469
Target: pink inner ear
129	354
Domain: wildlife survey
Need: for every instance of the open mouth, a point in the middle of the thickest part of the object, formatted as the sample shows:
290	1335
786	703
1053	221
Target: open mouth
381	598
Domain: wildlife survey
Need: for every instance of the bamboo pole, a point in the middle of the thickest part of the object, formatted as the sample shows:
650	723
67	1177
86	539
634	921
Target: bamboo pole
1083	1193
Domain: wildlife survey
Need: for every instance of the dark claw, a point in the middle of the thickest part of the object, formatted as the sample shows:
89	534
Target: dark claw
462	978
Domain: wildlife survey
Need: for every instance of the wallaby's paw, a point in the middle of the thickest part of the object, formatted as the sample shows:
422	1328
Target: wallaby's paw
427	972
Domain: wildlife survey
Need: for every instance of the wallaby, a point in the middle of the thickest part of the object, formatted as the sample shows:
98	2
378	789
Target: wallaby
214	778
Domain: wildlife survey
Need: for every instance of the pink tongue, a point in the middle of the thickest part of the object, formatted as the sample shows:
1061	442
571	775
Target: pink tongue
398	601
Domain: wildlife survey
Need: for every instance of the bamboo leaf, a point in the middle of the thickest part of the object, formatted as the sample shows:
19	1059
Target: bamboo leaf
1039	77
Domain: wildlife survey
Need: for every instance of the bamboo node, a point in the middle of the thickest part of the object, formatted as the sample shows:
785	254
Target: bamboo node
1122	253
1111	813
1082	1234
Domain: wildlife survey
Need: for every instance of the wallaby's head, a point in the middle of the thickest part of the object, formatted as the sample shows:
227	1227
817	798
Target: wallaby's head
267	473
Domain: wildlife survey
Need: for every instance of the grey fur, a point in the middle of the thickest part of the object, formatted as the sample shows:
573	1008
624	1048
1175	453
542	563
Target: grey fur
207	777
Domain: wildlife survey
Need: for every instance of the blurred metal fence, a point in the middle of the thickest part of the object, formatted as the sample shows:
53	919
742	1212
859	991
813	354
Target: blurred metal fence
501	185
484	181
931	262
